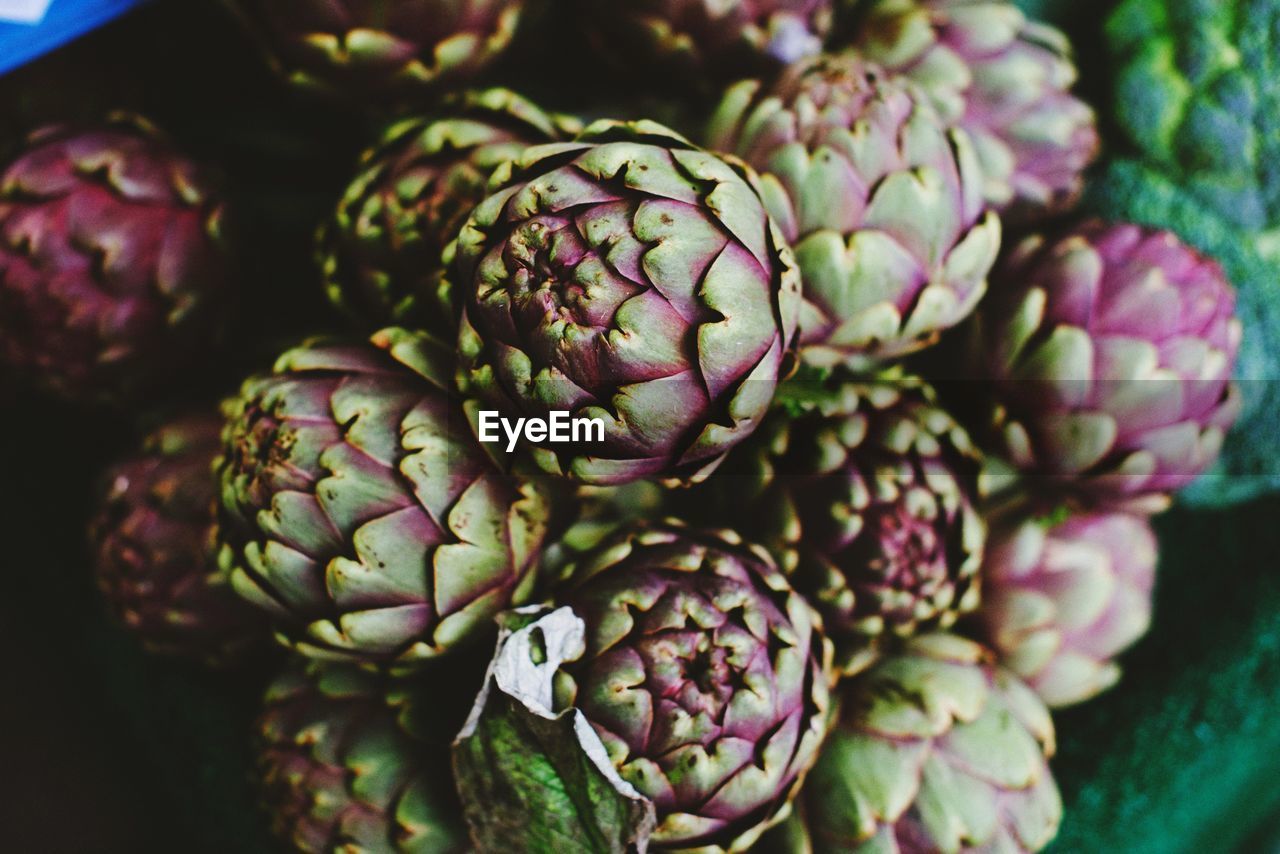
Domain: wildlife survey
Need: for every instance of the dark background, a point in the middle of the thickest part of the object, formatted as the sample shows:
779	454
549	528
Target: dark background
103	749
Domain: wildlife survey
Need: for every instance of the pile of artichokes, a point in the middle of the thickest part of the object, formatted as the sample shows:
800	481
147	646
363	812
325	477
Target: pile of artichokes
882	423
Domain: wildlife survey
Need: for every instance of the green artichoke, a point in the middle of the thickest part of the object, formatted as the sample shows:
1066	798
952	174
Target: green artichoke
380	50
865	491
113	270
697	39
1197	92
632	279
350	761
602	511
380	253
882	203
1004	79
360	511
705	676
1065	596
936	750
1110	351
152	536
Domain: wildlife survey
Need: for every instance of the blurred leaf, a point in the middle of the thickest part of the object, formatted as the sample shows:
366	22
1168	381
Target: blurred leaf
1181	757
1197	93
1062	13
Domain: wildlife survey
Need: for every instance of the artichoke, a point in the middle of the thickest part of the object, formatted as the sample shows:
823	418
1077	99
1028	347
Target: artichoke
699	38
631	280
1197	92
381	251
936	750
601	511
349	761
882	203
1007	81
1111	350
1248	465
865	492
1064	596
360	511
705	677
113	272
380	50
152	536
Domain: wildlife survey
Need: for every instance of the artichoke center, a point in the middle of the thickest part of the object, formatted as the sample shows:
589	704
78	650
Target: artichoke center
263	445
543	259
691	671
907	546
709	670
256	445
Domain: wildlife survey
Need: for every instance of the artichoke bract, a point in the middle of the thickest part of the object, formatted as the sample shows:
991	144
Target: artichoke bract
113	270
1003	78
936	749
709	38
360	511
634	280
1247	467
882	203
152	536
705	676
865	490
602	511
380	253
1111	349
344	764
384	51
1063	597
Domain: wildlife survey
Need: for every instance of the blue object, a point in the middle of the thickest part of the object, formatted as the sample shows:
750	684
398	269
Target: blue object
28	29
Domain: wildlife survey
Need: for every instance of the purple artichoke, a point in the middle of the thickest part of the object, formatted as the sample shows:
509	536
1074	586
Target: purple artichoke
634	280
381	252
881	202
936	750
1111	350
1003	78
350	761
705	676
380	50
112	269
1065	597
153	544
360	511
865	491
716	38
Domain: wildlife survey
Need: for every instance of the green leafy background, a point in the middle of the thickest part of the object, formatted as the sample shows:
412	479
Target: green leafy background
108	750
